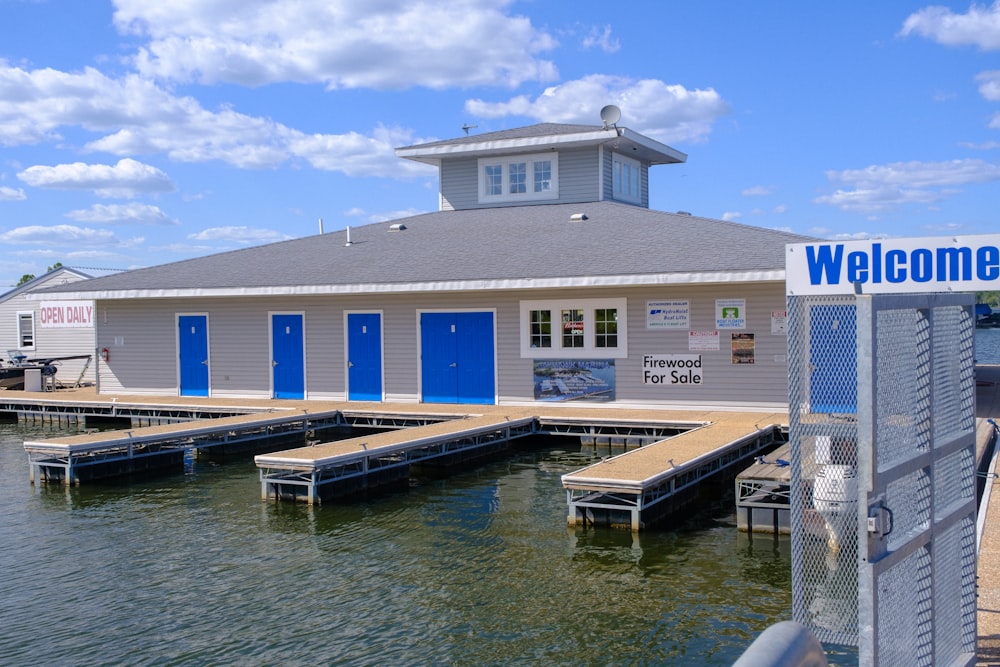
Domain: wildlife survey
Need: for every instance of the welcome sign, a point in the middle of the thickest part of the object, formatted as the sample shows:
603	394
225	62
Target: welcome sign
894	266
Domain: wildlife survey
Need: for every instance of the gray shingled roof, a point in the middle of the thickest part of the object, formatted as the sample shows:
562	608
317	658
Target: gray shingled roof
531	131
510	243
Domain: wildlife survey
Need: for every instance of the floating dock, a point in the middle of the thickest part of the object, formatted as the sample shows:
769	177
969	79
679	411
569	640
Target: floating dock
635	489
763	494
655	458
335	469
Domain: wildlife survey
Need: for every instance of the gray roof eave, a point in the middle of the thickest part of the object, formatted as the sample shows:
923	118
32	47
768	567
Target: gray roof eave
687	278
653	151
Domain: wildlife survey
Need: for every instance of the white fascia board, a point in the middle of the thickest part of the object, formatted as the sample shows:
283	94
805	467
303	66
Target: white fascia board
671	155
434	154
708	277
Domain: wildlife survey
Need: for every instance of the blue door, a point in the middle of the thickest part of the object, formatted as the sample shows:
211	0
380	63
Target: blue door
457	358
833	361
287	358
192	345
364	357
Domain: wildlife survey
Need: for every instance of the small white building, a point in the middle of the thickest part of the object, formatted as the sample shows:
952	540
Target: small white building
543	276
49	328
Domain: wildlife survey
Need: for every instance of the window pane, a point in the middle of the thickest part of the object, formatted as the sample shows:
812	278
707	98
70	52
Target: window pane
572	323
26	330
543	176
494	179
518	178
606	327
541	328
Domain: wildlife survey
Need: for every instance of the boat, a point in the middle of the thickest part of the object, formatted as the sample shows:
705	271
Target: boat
12	373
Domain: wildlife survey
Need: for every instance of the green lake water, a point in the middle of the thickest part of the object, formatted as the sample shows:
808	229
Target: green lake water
476	568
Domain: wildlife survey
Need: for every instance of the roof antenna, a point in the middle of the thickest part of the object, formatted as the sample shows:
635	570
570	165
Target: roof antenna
610	115
467	127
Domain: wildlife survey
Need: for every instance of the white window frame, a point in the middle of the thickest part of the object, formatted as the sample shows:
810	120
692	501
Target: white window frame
26	314
620	164
529	194
589	349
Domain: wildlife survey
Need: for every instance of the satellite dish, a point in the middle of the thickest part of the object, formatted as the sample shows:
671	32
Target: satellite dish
610	115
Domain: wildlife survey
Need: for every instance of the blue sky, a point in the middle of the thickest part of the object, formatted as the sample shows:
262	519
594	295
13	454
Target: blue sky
135	133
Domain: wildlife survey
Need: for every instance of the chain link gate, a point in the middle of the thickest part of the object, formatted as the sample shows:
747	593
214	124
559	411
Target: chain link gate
882	426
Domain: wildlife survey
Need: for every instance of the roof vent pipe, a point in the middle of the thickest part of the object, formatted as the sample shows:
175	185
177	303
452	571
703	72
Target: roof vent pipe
321	225
578	217
397	227
348	237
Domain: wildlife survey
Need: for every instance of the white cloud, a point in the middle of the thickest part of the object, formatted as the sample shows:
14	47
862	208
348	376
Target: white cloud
882	187
11	194
666	112
132	213
989	85
758	191
141	118
602	40
980	26
384	44
731	215
126	179
239	234
66	235
356	154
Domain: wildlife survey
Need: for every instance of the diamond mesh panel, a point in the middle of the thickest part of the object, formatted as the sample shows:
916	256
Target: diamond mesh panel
823	396
903	392
882	427
951	487
955	590
910	497
954	385
904	613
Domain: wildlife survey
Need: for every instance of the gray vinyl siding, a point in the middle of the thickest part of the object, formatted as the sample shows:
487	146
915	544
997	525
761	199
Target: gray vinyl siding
578	181
144	361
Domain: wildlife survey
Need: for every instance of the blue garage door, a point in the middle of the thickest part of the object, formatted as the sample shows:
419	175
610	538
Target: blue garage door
192	345
287	358
833	349
457	358
364	357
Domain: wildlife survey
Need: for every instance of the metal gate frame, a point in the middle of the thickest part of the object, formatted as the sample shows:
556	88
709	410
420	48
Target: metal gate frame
890	487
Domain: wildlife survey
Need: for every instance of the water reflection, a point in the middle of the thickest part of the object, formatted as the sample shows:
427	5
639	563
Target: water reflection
478	566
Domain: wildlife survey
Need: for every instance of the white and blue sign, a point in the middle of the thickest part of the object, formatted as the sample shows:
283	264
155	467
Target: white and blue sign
894	266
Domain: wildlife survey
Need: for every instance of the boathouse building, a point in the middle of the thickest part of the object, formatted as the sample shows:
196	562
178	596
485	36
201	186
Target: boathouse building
544	276
50	327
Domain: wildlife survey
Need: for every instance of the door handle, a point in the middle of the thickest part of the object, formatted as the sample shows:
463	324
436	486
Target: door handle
453	364
350	364
205	362
273	363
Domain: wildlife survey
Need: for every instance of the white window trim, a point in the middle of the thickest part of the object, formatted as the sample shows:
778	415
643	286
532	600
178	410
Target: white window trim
633	164
530	194
589	350
34	330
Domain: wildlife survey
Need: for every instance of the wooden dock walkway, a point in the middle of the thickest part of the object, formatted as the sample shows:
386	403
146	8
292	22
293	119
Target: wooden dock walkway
354	464
637	487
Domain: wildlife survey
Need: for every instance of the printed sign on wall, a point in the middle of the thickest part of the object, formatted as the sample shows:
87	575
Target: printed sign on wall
730	313
66	314
671	369
743	348
574	379
703	340
671	314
